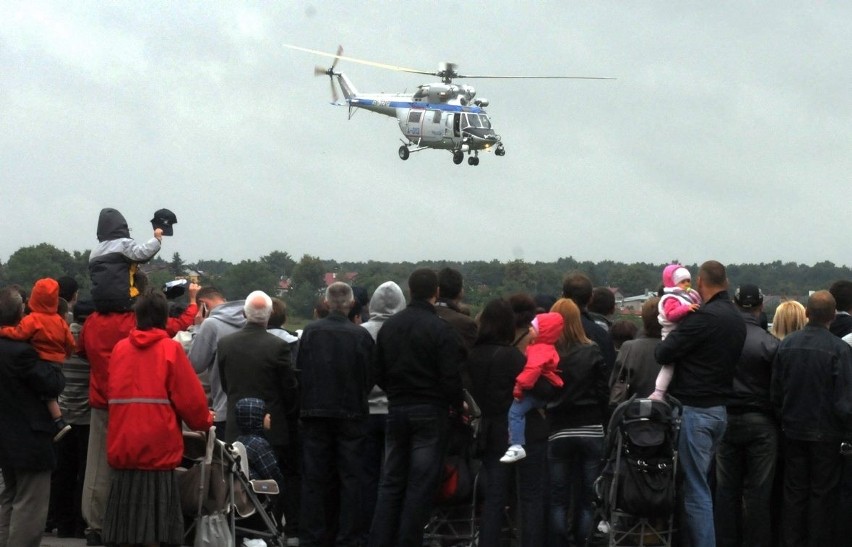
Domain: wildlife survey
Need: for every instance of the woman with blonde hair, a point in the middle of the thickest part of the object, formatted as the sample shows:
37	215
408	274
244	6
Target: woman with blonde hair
576	429
789	317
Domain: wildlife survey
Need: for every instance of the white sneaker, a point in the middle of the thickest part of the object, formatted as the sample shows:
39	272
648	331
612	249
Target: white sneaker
516	452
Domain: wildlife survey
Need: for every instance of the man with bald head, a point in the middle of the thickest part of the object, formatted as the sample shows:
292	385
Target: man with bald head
812	392
704	350
254	363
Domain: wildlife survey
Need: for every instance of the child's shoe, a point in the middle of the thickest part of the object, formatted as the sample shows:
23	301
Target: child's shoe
61	429
514	453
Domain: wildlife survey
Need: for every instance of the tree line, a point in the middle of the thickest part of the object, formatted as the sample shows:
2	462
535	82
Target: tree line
301	280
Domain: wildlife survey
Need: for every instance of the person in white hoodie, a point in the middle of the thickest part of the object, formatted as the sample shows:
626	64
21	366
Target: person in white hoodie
221	319
387	300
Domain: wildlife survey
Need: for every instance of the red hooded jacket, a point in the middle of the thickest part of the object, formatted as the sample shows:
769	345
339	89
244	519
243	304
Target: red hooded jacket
542	357
152	387
44	328
102	331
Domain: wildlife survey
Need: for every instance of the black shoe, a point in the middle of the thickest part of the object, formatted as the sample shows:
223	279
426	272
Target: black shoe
94	538
61	429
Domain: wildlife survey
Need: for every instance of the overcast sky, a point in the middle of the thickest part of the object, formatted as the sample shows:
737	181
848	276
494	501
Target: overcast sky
727	134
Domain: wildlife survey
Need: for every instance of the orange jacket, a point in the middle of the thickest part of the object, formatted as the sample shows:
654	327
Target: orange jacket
44	328
151	388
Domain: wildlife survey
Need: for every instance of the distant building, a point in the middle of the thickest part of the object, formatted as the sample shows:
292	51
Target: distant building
346	277
633	304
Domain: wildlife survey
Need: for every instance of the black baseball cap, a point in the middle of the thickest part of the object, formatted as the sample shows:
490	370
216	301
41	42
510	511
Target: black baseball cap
748	296
164	219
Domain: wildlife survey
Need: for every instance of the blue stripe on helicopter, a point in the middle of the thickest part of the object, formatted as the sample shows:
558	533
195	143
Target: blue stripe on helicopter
423	106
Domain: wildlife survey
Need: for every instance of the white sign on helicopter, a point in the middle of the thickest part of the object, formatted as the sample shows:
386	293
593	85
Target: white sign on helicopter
441	115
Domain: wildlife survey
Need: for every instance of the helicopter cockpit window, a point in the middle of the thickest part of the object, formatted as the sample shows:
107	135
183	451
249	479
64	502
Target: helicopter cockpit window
414	117
473	120
486	123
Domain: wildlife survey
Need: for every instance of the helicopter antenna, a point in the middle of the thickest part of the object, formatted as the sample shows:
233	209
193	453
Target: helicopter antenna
320	71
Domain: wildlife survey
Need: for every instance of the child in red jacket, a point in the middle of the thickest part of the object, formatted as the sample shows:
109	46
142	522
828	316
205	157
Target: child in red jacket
542	360
48	333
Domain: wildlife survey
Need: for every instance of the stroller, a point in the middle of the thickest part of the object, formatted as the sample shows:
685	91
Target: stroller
217	494
453	522
636	490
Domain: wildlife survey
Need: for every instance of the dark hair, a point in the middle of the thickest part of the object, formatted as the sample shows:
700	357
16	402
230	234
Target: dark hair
321	309
713	273
450	283
524	308
578	287
603	301
543	302
621	331
10	306
152	309
209	292
423	284
821	308
279	314
67	287
355	310
650	321
496	323
842	293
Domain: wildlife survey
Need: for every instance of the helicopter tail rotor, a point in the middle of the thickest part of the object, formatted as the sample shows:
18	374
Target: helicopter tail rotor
320	71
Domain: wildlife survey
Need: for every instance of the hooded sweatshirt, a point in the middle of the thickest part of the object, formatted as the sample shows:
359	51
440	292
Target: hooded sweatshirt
113	263
387	300
151	388
43	327
223	320
263	464
542	357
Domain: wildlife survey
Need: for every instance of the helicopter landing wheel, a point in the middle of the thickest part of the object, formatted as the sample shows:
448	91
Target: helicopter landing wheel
500	151
403	152
458	157
473	160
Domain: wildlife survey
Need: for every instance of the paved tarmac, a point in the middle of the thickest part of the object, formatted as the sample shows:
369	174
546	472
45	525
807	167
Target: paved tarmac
50	540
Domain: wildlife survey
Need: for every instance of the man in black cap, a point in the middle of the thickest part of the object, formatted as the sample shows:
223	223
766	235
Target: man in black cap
745	460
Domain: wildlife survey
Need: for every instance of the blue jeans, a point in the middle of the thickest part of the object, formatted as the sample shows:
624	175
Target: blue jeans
700	433
573	465
517	417
331	450
415	442
531	475
745	472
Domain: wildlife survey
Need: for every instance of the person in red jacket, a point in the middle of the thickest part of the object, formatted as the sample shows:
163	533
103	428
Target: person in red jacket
101	332
48	333
152	387
542	359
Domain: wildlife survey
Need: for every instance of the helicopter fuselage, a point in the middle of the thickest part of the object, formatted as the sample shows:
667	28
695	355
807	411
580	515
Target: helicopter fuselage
437	116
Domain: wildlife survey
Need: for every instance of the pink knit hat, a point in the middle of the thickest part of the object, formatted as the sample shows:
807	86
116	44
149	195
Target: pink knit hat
674	274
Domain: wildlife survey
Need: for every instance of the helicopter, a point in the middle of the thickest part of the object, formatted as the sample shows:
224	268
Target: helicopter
441	115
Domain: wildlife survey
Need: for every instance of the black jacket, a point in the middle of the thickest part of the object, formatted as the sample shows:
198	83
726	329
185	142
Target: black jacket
26	429
842	325
812	385
334	364
254	363
492	369
601	337
418	358
584	399
704	350
753	374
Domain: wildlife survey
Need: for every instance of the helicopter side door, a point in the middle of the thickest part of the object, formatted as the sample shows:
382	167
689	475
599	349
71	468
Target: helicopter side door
413	126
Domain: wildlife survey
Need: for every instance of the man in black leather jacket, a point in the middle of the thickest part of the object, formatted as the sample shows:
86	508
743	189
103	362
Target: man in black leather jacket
812	391
745	461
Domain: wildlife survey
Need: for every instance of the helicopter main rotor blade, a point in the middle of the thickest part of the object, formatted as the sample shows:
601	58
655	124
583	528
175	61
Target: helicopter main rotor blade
360	61
534	77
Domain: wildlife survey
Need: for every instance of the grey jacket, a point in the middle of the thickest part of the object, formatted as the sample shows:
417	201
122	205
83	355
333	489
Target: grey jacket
224	319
